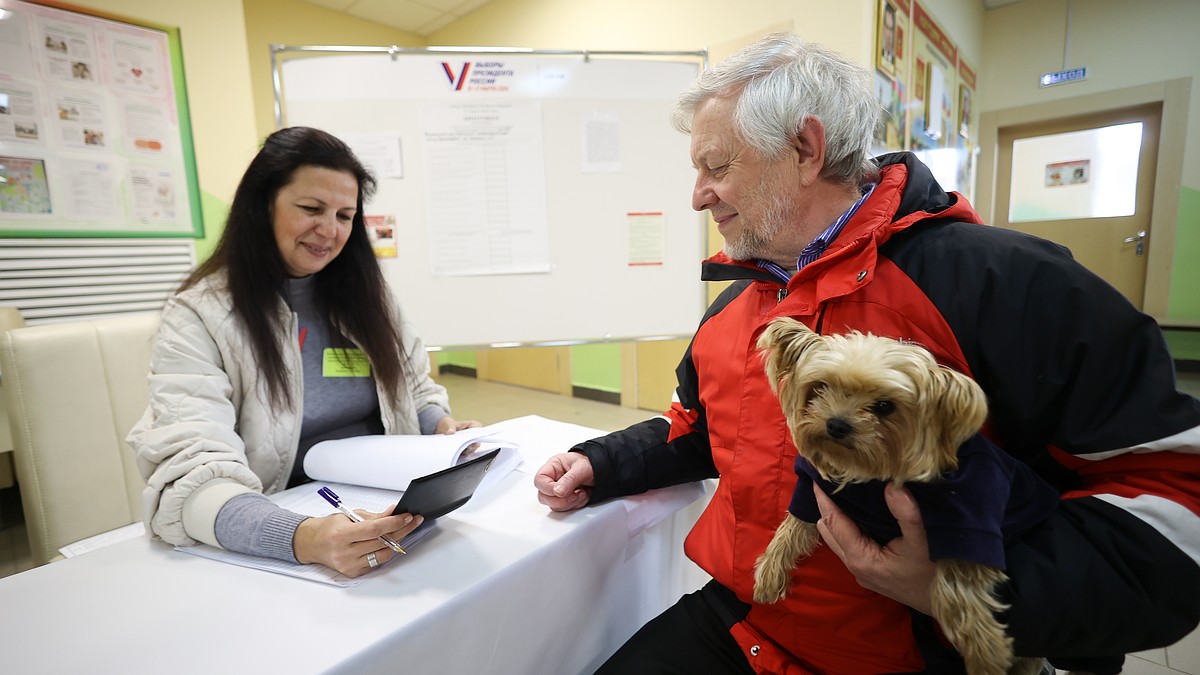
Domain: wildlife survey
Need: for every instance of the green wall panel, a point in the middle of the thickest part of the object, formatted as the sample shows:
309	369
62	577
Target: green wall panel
596	367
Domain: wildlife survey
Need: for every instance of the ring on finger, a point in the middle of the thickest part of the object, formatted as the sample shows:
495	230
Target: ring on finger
372	560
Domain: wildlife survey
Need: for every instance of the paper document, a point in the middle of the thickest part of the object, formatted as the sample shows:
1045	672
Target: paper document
305	500
540	438
131	531
391	462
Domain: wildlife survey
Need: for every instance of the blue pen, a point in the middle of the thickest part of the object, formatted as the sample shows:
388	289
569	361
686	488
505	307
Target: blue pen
331	497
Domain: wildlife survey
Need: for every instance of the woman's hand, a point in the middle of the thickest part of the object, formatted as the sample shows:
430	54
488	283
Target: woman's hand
901	569
341	544
449	425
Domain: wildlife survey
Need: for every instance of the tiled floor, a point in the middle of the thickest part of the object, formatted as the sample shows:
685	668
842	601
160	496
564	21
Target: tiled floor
489	402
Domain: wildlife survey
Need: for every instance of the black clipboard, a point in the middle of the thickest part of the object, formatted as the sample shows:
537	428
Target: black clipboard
440	493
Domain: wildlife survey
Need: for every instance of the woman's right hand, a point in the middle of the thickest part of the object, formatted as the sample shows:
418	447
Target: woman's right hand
341	544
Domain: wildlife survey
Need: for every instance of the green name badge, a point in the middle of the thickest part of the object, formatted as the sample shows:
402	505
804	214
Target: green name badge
345	363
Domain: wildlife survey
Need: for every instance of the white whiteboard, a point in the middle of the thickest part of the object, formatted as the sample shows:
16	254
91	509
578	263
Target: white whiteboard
580	278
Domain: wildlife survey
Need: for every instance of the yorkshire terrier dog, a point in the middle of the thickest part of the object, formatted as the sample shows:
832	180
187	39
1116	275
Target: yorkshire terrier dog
865	410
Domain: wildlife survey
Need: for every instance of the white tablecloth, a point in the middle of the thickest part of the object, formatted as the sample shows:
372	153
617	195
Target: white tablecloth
504	586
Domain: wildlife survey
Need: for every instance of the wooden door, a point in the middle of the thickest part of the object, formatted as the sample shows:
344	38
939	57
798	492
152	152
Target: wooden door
1112	246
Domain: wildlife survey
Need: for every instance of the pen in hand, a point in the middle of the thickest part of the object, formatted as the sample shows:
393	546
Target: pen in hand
331	497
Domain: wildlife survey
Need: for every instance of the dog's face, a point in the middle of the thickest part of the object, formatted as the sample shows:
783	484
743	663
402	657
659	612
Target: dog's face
863	408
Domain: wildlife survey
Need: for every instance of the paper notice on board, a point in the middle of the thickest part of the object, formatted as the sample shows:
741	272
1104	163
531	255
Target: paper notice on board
19	109
381	152
93	193
138	65
66	51
486	188
936	104
154	189
647	238
146	128
81	120
601	143
14	45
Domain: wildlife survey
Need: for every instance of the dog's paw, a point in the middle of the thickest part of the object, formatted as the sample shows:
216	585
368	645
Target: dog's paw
794	539
965	606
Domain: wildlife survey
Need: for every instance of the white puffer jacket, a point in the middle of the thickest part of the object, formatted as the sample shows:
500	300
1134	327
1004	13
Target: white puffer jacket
211	433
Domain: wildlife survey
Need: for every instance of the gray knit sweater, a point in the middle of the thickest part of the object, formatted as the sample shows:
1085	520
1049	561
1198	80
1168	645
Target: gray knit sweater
334	407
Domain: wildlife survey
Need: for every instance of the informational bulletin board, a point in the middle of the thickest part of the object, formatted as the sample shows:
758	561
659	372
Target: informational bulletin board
95	139
936	59
891	78
927	92
527	197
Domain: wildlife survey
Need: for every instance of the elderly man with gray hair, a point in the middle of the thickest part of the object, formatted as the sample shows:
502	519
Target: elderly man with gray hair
1080	387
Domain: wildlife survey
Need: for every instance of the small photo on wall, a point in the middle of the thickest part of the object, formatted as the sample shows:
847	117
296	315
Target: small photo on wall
381	230
887	41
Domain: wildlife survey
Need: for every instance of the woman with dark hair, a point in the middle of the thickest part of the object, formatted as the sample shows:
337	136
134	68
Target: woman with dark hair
286	336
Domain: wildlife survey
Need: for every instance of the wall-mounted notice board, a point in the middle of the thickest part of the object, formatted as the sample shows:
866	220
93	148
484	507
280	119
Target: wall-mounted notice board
524	197
95	139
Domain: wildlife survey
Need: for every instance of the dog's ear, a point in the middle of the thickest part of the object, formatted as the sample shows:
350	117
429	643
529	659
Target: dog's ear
960	406
785	344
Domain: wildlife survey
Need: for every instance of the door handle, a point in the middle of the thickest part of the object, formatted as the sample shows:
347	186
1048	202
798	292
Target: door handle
1140	238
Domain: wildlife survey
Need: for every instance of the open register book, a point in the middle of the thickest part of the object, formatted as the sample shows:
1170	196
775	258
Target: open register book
371	472
392	462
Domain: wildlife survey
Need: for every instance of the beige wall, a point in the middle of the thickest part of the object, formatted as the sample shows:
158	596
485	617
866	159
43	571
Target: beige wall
962	20
294	23
844	25
1123	44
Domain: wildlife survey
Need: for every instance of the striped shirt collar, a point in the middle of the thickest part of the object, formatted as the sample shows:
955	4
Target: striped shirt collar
817	246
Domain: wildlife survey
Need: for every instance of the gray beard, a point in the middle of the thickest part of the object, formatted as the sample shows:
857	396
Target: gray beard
757	239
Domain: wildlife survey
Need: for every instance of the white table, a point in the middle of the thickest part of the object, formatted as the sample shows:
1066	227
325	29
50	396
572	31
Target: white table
505	586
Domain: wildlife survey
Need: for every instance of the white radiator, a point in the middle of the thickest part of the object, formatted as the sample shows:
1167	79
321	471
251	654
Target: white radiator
51	280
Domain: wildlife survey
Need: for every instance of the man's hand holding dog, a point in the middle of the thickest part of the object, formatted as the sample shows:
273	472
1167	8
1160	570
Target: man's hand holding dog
564	481
901	569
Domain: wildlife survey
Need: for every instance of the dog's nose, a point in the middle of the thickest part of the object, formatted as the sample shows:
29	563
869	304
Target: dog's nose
838	428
